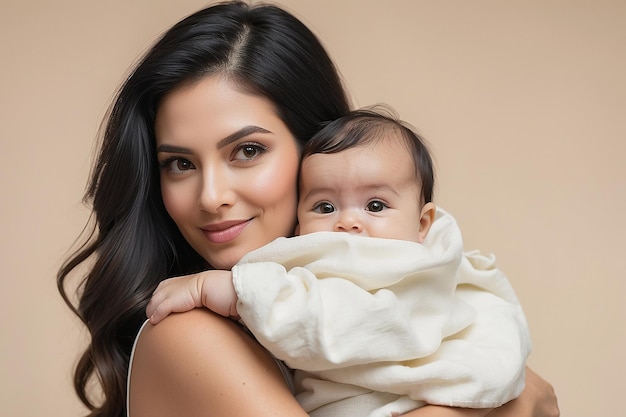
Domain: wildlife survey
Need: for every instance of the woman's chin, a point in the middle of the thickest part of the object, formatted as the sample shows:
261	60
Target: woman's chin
224	261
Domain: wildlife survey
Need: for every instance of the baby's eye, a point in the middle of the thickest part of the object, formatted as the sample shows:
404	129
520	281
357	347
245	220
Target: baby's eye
177	165
376	206
248	151
324	207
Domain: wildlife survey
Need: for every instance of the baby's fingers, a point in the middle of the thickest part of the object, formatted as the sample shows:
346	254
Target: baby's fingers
175	299
159	312
158	296
173	295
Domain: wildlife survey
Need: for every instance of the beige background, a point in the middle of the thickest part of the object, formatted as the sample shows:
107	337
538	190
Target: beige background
523	102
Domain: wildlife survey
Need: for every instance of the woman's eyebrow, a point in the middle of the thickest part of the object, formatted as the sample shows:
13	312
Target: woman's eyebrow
233	137
241	133
173	149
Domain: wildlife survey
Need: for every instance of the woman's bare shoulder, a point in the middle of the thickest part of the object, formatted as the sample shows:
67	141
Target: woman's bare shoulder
199	364
197	324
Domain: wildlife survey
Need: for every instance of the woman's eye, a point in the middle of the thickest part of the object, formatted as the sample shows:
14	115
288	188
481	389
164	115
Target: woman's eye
248	152
324	207
376	206
177	165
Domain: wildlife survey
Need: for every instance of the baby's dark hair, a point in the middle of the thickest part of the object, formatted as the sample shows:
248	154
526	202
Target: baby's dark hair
364	126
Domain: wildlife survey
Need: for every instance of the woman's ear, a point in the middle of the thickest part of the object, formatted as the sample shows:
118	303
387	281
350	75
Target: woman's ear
427	217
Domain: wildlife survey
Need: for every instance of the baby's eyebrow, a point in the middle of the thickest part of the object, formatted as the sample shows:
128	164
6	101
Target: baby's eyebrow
317	190
378	187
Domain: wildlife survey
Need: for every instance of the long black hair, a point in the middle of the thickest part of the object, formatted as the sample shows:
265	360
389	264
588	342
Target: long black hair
134	244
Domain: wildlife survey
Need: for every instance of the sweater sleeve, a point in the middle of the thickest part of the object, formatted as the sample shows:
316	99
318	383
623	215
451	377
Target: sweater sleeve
346	307
316	324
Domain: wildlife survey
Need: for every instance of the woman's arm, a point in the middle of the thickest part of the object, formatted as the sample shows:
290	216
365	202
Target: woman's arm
200	364
537	400
441	411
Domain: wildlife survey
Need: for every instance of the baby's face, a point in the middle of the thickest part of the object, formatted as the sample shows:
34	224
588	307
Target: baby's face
369	190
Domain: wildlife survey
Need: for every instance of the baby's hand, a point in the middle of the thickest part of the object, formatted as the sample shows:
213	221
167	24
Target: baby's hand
211	289
175	295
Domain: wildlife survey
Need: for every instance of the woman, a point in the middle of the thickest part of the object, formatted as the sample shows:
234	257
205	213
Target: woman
197	167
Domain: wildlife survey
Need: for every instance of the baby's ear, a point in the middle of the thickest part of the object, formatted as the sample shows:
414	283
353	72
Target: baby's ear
427	217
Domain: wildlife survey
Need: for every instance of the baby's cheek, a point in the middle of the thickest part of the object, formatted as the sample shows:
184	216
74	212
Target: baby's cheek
309	225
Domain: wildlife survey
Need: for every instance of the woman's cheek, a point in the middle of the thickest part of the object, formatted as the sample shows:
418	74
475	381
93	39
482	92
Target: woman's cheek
276	191
175	199
273	186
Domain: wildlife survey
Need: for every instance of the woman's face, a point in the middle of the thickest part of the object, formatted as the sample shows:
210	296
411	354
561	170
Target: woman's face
228	169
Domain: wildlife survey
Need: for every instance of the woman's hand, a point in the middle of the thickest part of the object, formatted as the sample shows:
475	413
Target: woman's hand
537	400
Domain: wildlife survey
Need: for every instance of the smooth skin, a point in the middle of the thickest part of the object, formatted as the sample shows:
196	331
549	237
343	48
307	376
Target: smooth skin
199	364
368	190
229	168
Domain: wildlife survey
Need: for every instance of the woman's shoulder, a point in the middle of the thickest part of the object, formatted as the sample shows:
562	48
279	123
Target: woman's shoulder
198	363
196	333
168	355
186	342
171	335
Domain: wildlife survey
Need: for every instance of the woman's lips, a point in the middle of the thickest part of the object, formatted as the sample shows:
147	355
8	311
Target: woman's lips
225	231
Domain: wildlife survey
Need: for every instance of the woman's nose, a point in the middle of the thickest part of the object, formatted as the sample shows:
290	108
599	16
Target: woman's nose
217	189
349	222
